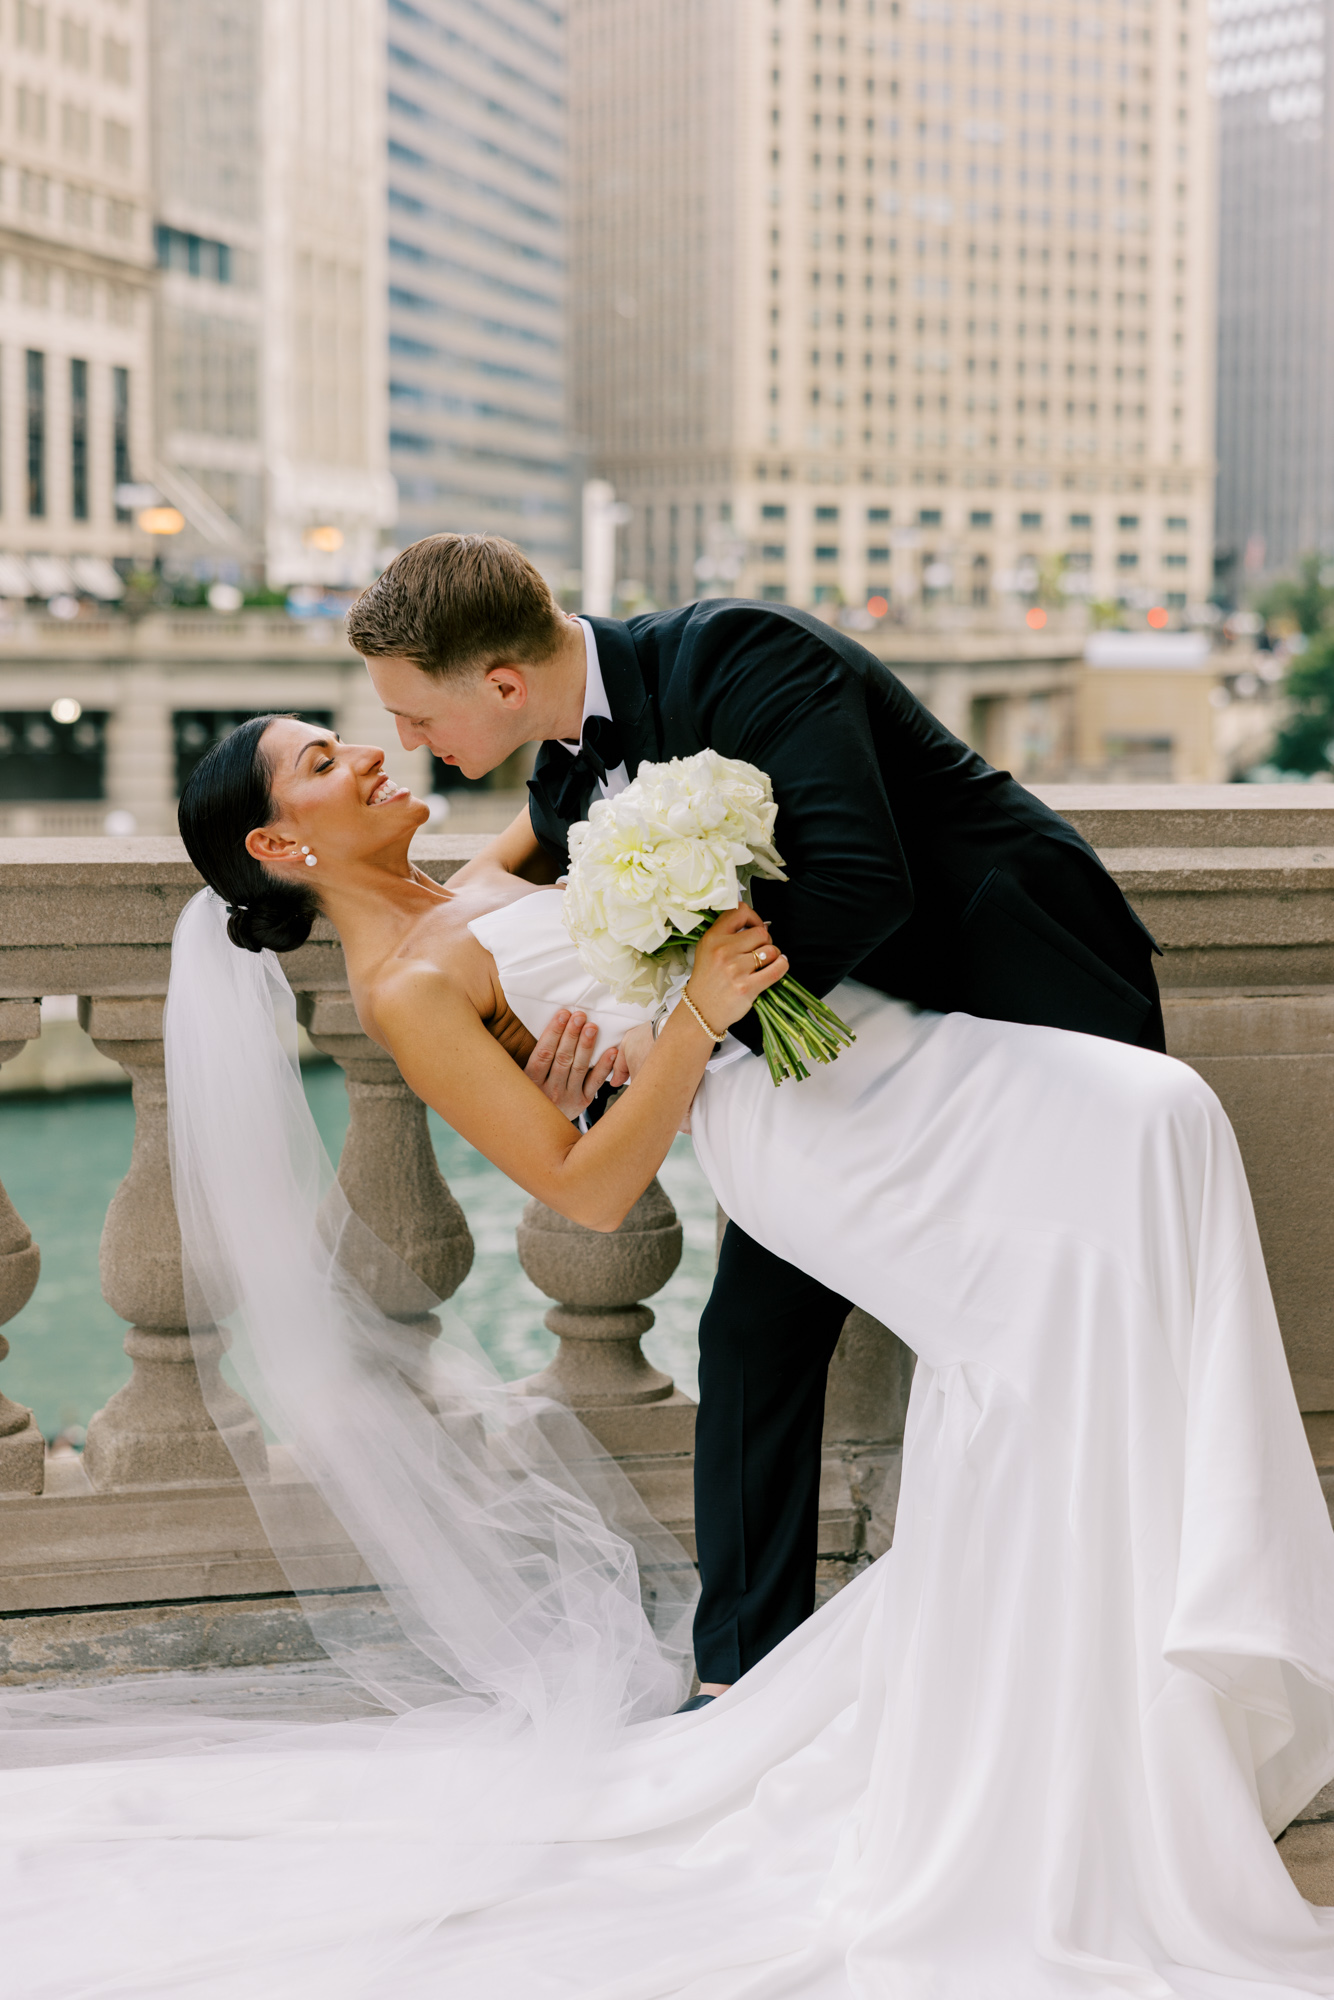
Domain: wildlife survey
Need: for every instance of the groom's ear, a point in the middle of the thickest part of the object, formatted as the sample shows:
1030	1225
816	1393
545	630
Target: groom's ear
510	686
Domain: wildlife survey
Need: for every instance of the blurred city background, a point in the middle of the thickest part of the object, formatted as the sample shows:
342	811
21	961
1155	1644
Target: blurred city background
999	335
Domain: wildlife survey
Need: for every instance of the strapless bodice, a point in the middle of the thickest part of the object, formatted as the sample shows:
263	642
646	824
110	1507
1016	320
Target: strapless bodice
540	970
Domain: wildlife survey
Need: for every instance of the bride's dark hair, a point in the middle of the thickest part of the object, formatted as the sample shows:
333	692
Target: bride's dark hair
230	792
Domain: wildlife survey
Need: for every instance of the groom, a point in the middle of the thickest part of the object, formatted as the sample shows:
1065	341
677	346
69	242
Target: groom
913	867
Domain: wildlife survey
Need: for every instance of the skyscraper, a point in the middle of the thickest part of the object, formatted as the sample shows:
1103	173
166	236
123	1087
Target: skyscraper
269	164
477	272
897	298
1275	271
75	281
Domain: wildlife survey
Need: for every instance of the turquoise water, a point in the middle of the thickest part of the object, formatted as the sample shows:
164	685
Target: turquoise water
61	1159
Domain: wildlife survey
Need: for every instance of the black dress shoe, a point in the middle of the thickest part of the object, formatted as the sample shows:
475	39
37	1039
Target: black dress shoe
696	1701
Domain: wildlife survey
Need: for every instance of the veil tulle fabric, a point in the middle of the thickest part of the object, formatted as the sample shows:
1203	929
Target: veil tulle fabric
518	1570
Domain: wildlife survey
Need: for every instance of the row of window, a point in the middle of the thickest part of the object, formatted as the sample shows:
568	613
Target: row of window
75	43
77	128
202	257
979	517
41	758
39	441
829	552
79	205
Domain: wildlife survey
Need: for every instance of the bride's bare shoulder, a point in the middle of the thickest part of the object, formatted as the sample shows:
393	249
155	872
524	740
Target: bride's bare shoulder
424	993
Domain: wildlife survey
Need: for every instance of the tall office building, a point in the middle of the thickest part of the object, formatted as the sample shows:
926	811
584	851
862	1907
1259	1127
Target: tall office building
269	162
897	297
76	254
477	272
1275	310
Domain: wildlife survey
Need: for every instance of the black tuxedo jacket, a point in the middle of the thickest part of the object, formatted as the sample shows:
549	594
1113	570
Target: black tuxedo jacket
914	866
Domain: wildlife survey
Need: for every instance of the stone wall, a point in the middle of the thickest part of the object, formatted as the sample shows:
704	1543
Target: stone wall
149	1553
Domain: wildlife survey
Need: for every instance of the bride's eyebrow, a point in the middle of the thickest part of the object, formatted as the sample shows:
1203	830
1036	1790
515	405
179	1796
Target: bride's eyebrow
315	743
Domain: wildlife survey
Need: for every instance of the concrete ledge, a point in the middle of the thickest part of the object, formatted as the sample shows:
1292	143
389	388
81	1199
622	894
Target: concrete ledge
264	1630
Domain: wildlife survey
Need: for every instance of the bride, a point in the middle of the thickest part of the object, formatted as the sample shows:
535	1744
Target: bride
1039	1749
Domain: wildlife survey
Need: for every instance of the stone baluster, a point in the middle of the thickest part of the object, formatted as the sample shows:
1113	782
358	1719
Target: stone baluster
22	1446
599	1282
157	1430
388	1169
865	1406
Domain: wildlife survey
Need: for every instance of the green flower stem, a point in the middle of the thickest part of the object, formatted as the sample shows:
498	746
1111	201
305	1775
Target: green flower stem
796	1027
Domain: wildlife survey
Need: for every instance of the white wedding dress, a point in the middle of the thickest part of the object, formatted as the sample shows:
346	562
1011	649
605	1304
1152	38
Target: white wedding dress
1036	1752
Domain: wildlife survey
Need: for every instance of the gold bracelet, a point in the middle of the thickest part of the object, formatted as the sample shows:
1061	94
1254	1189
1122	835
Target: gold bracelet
712	1033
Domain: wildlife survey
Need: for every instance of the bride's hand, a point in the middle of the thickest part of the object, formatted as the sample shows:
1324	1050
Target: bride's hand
735	961
562	1065
635	1046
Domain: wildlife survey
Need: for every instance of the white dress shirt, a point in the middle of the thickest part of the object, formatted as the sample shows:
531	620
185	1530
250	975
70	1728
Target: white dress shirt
596	703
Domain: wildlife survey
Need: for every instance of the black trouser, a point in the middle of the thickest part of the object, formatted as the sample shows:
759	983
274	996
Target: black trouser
766	1339
765	1342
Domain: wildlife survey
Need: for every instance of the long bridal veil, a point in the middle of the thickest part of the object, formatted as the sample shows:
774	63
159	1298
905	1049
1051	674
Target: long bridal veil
459	1548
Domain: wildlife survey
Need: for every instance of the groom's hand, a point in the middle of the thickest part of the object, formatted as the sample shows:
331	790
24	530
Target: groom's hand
562	1065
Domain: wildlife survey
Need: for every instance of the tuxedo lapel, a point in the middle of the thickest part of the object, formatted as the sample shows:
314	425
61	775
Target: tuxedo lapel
627	696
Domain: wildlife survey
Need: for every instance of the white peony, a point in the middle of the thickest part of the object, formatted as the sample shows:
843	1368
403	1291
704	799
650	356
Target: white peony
676	846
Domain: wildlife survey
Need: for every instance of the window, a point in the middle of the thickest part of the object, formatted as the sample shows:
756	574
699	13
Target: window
78	440
774	552
1082	522
116	144
1128	521
36	411
42	759
1174	562
772	511
30	25
928	517
115	60
880	555
196	730
197	256
774	593
979	518
75	128
825	553
1030	520
31	109
1176	524
74	42
1127	559
120	433
877	514
826	513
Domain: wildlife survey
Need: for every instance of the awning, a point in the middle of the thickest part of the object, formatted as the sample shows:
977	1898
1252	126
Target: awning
14	578
95	575
51	576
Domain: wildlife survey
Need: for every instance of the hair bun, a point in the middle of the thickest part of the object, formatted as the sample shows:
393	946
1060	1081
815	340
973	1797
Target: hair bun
280	920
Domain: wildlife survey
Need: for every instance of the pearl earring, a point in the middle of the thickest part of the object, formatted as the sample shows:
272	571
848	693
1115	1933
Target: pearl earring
311	859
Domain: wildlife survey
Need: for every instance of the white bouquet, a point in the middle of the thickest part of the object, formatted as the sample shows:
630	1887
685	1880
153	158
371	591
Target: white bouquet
651	868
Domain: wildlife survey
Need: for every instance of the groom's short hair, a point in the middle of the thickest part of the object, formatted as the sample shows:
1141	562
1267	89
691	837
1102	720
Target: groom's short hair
457	604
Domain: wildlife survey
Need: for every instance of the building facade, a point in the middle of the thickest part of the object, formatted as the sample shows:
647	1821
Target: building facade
476	245
1275	272
269	184
76	257
897	300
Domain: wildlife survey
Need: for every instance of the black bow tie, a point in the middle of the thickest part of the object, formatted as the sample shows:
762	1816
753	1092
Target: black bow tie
570	782
599	747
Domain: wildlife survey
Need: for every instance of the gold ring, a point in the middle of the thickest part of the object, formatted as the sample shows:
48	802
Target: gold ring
760	957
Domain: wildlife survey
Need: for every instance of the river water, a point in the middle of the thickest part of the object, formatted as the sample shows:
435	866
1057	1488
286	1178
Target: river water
61	1158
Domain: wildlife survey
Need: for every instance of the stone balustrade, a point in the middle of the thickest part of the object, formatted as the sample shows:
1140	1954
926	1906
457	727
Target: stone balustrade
148	1551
